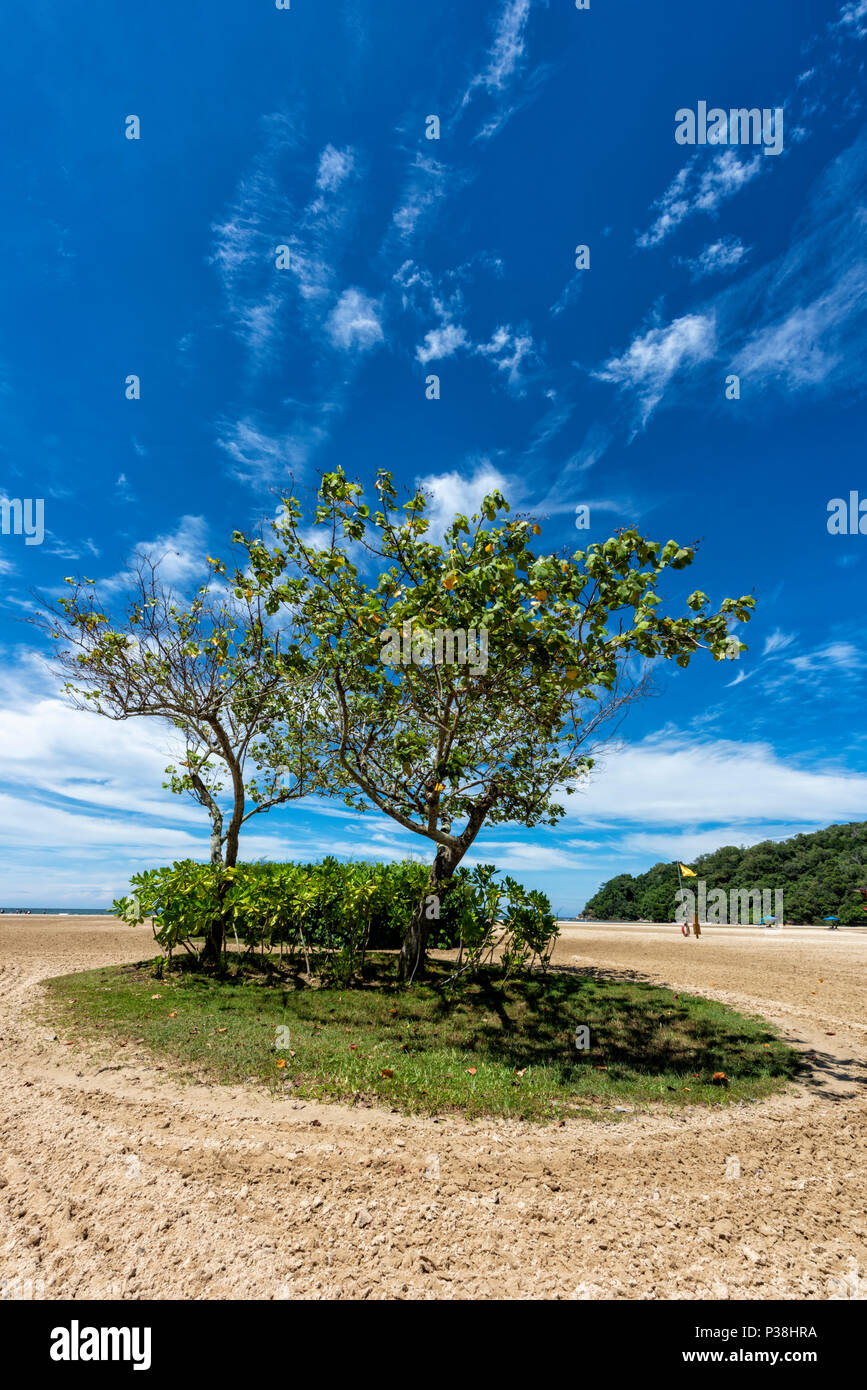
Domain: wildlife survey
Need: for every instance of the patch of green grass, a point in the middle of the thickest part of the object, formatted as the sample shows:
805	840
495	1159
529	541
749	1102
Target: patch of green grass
480	1049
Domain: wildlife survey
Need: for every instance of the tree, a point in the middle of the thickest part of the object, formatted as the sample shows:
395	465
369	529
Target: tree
234	682
471	678
819	875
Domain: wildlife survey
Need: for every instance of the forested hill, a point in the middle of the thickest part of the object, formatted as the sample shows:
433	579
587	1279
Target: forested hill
817	873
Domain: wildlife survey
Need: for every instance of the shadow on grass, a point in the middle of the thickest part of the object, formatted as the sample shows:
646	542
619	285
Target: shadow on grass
480	1047
636	1028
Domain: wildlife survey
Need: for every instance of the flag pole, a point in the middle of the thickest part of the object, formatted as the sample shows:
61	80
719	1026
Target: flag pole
695	925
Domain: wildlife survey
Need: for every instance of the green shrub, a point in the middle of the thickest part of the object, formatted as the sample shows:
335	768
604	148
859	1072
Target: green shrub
331	914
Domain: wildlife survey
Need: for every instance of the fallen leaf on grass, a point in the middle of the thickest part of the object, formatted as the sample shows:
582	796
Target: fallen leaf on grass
156	996
720	1078
222	1030
173	1014
472	1070
281	1062
387	1072
521	1071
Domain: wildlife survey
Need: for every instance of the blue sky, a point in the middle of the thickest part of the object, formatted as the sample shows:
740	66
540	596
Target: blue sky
408	256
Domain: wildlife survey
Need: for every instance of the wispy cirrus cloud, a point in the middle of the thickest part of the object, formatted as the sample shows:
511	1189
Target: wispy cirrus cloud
834	656
806	312
507	51
496	82
798	322
777	642
717	258
654	358
272	209
260	457
700	188
812	342
853	18
427	184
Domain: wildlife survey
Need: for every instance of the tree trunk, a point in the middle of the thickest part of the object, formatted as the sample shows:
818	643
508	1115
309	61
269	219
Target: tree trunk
213	949
413	951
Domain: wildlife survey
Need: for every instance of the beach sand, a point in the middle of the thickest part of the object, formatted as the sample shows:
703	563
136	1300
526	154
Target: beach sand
116	1183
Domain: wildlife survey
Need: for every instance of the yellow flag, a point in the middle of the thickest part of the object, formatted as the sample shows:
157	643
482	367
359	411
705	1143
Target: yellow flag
689	873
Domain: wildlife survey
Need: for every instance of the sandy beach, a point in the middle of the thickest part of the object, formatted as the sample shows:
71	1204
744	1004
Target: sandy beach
117	1183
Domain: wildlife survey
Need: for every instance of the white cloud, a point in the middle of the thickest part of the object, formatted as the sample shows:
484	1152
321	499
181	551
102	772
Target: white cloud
452	493
672	780
82	805
180	555
265	459
777	642
442	342
427	182
853	17
739	679
667	846
508	350
717	258
354	321
505	64
262	217
691	191
726	176
334	167
804	347
507	49
655	357
515	855
840	656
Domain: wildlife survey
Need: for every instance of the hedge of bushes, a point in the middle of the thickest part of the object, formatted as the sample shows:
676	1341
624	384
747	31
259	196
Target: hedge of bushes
331	914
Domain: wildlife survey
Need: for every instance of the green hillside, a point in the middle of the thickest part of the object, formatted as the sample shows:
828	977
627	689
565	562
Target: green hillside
818	875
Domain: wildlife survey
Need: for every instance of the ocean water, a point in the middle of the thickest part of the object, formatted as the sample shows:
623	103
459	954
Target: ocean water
58	911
